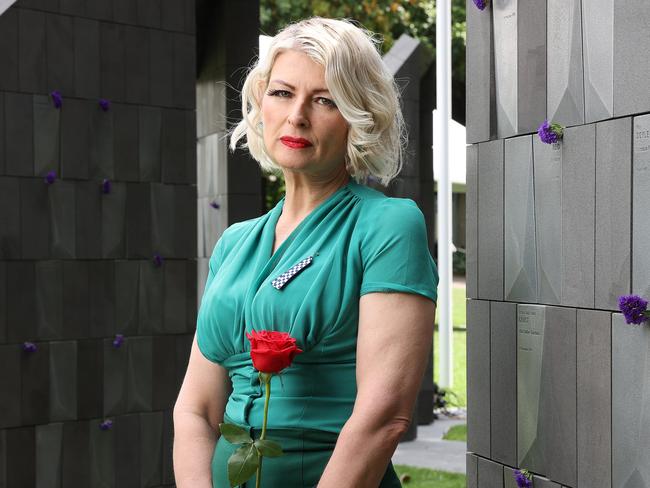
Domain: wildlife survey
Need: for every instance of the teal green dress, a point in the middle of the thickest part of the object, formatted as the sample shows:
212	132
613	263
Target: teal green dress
359	241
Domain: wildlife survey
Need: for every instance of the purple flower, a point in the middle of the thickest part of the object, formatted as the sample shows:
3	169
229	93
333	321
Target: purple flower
481	4
550	133
214	204
119	339
634	308
29	347
104	104
522	477
57	99
157	260
106	424
106	186
50	177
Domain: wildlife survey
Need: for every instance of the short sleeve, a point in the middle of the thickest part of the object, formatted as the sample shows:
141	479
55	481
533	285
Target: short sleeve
395	252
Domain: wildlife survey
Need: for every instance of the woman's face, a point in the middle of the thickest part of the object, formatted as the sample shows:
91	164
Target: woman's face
303	129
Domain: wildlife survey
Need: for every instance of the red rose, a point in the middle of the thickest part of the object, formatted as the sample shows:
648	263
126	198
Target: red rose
272	351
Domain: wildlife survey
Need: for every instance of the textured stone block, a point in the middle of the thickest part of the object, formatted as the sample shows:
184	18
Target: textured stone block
115	370
113	231
184	71
478	377
75	469
127	278
126	142
161	67
32	61
75	137
151	298
86	58
10	246
19	152
63	381
151	445
9	387
49	299
565	99
139	374
112	45
101	145
173	146
34	386
61	196
630	405
137	65
9	50
127	454
49	453
641	200
150	143
102	456
578	214
613	212
503	382
75	299
138	221
46	135
594	420
90	379
101	293
471	222
60	52
21	301
21	457
519	222
490	474
490	220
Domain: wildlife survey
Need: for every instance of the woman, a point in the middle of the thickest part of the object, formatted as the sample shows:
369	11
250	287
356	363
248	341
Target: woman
322	109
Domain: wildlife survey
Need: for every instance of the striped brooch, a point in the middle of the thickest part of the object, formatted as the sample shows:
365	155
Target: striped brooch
279	282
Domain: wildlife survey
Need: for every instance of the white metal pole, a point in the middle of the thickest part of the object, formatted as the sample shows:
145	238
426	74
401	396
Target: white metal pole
441	154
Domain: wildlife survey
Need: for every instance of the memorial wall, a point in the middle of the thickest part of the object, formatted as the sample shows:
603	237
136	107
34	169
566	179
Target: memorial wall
558	382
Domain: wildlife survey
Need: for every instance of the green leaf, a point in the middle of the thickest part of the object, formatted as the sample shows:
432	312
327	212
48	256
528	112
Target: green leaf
235	434
268	448
243	464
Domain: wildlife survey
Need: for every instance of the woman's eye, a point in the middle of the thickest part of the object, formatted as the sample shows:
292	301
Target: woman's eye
325	101
279	93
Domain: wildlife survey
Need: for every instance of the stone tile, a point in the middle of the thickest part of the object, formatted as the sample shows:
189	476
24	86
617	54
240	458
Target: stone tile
185	221
75	137
161	67
127	278
149	13
192	294
60	53
34	386
125	138
32	48
75	468
167	455
184	88
478	377
49	454
115	371
76	298
150	143
139	374
102	456
86	58
138	221
151	445
49	299
509	480
2	133
490	474
471	222
112	42
125	11
47	128
641	200
190	146
162	222
10	374
137	65
175	297
21	457
540	482
613	212
3	302
183	348
113	230
127	457
100	9
75	8
164	372
101	293
101	145
472	469
88	215
90	379
21	301
61	205
19	155
190	16
151	297
10	232
9	50
173	146
63	381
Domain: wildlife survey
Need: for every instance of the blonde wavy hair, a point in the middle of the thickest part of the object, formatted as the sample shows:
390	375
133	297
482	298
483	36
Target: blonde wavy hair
361	87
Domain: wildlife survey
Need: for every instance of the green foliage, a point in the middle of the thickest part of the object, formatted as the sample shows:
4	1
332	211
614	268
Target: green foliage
242	464
428	478
234	434
456	433
268	448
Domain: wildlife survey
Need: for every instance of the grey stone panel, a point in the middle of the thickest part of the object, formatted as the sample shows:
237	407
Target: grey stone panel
151	445
509	480
183	349
46	136
127	277
9	386
503	382
101	144
90	379
21	301
75	299
167	455
2	133
578	215
490	474
18	135
3	459
100	9
139	374
641	201
75	469
190	16
184	70
548	219
173	146
172	15
138	221
211	105
175	298
598	58
3	302
10	246
471	222
137	65
631	63
102	298
115	372
149	12
34	386
613	212
75	137
565	99
9	50
113	231
63	381
32	62
76	8
505	17
49	453
60	53
62	207
125	11
192	286
102	456
127	454
162	222
630	405
479	97
151	297
112	45
49	299
150	143
519	222
161	67
21	456
471	461
190	147
478	377
539	482
126	136
164	372
490	220
88	215
185	221
594	427
86	58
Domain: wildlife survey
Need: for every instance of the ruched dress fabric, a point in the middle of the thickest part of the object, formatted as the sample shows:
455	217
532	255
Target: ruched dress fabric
361	242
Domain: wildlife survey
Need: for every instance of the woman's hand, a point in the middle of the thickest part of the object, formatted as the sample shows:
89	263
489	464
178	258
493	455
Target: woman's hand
394	342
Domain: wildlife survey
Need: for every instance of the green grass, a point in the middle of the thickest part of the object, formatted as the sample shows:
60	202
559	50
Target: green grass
456	433
458	306
428	478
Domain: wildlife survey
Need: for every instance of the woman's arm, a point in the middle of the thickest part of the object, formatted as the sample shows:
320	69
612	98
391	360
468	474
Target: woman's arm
198	411
394	341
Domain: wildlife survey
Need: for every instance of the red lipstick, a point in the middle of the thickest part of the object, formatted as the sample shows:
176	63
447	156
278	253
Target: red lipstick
295	142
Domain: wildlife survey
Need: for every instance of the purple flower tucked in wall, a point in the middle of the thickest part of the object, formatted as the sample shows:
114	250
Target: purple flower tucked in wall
29	347
550	133
50	177
157	260
634	309
481	4
106	424
106	186
104	104
214	204
57	99
523	478
119	339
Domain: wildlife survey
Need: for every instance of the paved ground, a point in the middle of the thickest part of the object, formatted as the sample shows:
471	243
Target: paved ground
430	451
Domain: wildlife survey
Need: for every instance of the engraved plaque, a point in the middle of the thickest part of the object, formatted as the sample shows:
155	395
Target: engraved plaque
640	204
598	58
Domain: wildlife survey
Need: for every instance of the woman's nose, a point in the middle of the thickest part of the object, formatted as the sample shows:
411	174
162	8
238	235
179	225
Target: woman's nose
298	117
